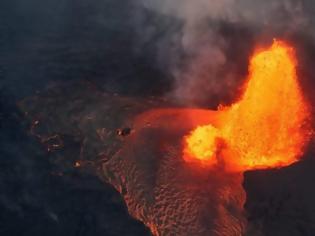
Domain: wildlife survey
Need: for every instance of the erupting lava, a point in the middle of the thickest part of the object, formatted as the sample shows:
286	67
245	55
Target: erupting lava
267	127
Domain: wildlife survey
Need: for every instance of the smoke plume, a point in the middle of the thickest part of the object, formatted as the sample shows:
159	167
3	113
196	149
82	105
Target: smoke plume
204	45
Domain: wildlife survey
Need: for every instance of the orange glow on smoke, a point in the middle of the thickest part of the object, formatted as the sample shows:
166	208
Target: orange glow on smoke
267	127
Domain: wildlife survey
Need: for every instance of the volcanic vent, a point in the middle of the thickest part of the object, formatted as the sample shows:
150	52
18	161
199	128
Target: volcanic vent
180	171
198	191
267	127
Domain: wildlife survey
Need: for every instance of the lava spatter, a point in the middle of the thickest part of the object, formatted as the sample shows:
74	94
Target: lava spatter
267	127
170	194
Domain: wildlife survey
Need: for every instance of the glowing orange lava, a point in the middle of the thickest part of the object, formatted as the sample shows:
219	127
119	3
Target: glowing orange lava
267	127
202	145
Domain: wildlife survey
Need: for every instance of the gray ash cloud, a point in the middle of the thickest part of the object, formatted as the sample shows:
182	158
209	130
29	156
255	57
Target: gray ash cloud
204	45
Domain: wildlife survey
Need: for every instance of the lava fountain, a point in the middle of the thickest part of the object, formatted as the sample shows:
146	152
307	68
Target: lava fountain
203	193
268	126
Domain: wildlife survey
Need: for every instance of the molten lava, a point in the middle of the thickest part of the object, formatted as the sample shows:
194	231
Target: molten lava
267	127
202	144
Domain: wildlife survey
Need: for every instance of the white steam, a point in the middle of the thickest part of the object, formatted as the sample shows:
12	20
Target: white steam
200	66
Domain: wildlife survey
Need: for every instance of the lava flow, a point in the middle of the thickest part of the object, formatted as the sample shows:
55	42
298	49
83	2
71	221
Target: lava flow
267	127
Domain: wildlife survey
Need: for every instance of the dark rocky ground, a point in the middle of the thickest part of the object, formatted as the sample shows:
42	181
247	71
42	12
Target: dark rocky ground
79	126
41	195
58	42
49	43
281	202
